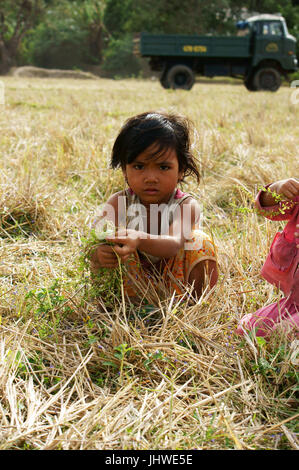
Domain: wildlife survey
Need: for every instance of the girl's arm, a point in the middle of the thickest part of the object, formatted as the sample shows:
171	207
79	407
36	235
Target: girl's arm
161	246
268	205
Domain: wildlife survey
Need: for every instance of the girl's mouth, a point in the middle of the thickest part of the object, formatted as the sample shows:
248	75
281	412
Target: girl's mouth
151	191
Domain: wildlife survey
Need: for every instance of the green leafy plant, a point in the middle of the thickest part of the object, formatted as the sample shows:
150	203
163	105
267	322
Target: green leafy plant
121	352
275	364
48	306
155	356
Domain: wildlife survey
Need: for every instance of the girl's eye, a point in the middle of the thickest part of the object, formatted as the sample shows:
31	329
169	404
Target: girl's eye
164	167
138	166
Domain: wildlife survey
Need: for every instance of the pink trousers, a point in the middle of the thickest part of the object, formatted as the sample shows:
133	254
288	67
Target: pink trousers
266	319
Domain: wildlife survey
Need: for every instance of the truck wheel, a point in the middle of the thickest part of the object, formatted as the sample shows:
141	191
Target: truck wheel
267	79
180	76
164	82
248	82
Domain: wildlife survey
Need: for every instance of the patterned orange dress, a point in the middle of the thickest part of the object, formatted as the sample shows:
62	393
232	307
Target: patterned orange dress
175	271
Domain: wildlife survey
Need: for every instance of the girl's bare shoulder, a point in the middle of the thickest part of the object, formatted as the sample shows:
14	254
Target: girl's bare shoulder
114	198
191	201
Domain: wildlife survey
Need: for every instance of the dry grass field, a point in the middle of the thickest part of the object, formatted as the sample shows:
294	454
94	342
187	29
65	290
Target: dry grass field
76	373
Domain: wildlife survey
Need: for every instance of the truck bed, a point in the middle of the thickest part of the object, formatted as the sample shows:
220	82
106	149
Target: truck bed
194	46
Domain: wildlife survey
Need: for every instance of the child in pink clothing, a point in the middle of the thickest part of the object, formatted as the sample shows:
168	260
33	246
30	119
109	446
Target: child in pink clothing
281	267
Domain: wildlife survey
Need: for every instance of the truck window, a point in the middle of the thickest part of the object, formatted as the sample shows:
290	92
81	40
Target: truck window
273	28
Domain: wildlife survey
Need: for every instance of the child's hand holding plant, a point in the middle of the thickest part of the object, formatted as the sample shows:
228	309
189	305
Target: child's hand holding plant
126	242
101	252
286	190
106	254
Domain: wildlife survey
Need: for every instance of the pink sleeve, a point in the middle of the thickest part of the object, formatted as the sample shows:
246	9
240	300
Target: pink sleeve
280	211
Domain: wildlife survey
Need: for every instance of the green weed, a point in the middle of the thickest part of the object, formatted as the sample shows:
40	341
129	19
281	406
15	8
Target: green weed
49	307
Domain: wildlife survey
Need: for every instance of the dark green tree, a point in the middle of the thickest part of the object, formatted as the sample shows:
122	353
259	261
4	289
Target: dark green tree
70	35
16	19
117	16
51	33
177	16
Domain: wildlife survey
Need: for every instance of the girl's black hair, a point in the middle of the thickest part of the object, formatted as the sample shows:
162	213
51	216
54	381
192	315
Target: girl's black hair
166	130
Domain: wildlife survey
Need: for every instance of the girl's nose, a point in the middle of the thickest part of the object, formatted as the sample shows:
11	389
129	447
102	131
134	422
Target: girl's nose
151	177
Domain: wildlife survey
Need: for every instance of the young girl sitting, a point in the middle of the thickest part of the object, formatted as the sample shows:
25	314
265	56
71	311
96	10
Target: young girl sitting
157	224
281	267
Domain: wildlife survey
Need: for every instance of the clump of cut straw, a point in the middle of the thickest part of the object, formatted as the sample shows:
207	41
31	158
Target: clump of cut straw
22	214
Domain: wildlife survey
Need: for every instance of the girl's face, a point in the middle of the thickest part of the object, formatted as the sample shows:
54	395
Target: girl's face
154	178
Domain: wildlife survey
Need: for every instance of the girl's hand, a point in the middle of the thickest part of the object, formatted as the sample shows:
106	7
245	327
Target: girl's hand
288	188
130	241
103	257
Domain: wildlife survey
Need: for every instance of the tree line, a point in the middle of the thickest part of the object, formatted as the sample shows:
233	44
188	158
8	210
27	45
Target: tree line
83	33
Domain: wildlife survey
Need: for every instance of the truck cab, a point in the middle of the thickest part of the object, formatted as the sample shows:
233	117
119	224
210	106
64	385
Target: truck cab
273	52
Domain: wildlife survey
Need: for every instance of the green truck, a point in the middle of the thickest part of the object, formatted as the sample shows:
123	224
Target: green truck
261	52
